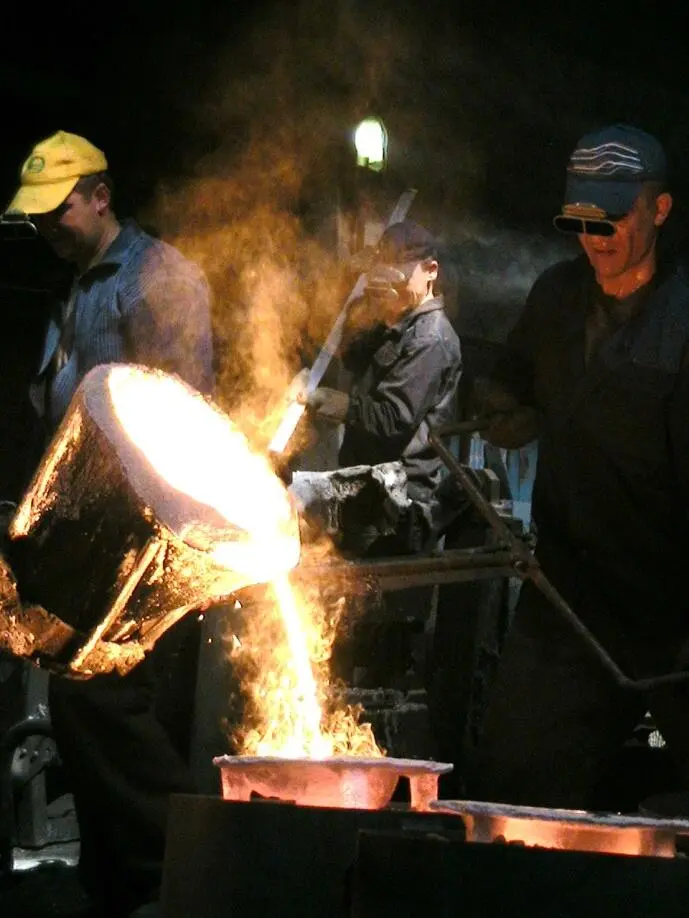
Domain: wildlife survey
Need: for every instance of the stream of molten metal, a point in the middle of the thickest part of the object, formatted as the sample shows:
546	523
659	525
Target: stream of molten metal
283	662
283	659
307	723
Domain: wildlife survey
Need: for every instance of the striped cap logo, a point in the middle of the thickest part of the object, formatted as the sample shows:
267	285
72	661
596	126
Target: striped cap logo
607	159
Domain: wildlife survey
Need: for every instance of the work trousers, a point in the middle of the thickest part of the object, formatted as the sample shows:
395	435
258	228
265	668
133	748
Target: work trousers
556	717
123	741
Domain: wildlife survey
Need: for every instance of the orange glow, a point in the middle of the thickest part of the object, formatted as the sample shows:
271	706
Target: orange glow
285	650
276	294
212	463
283	663
263	219
574	836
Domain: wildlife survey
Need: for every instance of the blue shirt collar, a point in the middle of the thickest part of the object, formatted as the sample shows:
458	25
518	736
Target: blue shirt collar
119	247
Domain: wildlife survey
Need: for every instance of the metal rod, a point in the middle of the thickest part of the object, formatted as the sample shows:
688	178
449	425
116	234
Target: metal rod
527	565
485	508
398	573
295	409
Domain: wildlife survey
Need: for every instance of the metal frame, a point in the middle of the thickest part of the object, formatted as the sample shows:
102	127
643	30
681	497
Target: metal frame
27	748
526	566
400	573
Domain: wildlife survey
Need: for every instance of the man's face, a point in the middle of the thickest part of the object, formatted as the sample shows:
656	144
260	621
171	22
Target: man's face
634	237
420	285
397	288
73	229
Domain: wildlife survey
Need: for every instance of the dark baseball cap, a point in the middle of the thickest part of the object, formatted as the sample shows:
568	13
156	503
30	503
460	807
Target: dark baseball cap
605	174
406	242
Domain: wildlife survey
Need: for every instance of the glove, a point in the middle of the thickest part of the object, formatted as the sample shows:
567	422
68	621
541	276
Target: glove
330	404
297	385
509	424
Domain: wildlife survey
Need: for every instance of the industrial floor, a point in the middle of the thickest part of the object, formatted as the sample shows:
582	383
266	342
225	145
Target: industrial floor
49	890
42	882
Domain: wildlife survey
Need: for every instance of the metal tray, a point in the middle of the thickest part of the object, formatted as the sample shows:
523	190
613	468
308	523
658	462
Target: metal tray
347	782
574	830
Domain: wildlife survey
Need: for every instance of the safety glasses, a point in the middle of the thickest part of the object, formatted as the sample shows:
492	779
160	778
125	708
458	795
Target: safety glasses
16	226
580	225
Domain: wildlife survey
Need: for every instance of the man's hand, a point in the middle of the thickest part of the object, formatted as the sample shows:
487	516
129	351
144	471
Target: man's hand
330	404
295	390
510	425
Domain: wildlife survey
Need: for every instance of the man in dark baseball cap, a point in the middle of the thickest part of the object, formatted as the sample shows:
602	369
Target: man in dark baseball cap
404	359
596	367
616	200
605	175
406	241
400	276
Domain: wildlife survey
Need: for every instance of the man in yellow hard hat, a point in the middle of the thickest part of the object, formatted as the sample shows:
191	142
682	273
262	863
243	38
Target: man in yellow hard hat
133	299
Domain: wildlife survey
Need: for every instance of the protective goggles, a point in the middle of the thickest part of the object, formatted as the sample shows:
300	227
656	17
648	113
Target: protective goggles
387	281
16	226
580	225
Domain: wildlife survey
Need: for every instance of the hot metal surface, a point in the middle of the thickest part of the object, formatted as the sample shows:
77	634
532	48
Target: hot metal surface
569	830
343	782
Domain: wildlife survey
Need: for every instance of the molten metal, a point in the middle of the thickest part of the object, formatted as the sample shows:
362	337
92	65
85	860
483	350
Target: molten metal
283	664
347	782
566	830
148	504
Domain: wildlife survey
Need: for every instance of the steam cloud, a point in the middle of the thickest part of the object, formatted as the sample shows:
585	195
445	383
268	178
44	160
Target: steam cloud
265	209
489	272
260	214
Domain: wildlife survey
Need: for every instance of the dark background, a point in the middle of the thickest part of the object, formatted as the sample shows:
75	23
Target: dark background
483	100
483	88
483	103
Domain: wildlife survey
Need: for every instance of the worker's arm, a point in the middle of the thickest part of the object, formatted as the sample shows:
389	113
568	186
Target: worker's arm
507	395
508	423
417	376
678	434
168	321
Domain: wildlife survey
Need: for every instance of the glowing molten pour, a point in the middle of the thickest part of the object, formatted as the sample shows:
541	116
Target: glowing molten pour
284	656
283	662
306	733
197	451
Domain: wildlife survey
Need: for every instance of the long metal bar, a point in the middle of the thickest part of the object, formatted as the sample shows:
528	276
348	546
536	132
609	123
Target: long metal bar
295	410
527	565
400	573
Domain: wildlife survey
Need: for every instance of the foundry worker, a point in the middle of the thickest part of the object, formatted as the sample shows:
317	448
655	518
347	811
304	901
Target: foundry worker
404	359
597	366
133	299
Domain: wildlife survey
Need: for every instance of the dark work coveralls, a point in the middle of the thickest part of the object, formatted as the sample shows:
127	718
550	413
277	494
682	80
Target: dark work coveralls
404	381
611	381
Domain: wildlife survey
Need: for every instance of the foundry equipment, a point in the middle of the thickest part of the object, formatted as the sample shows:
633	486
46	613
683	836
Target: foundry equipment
140	547
119	509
